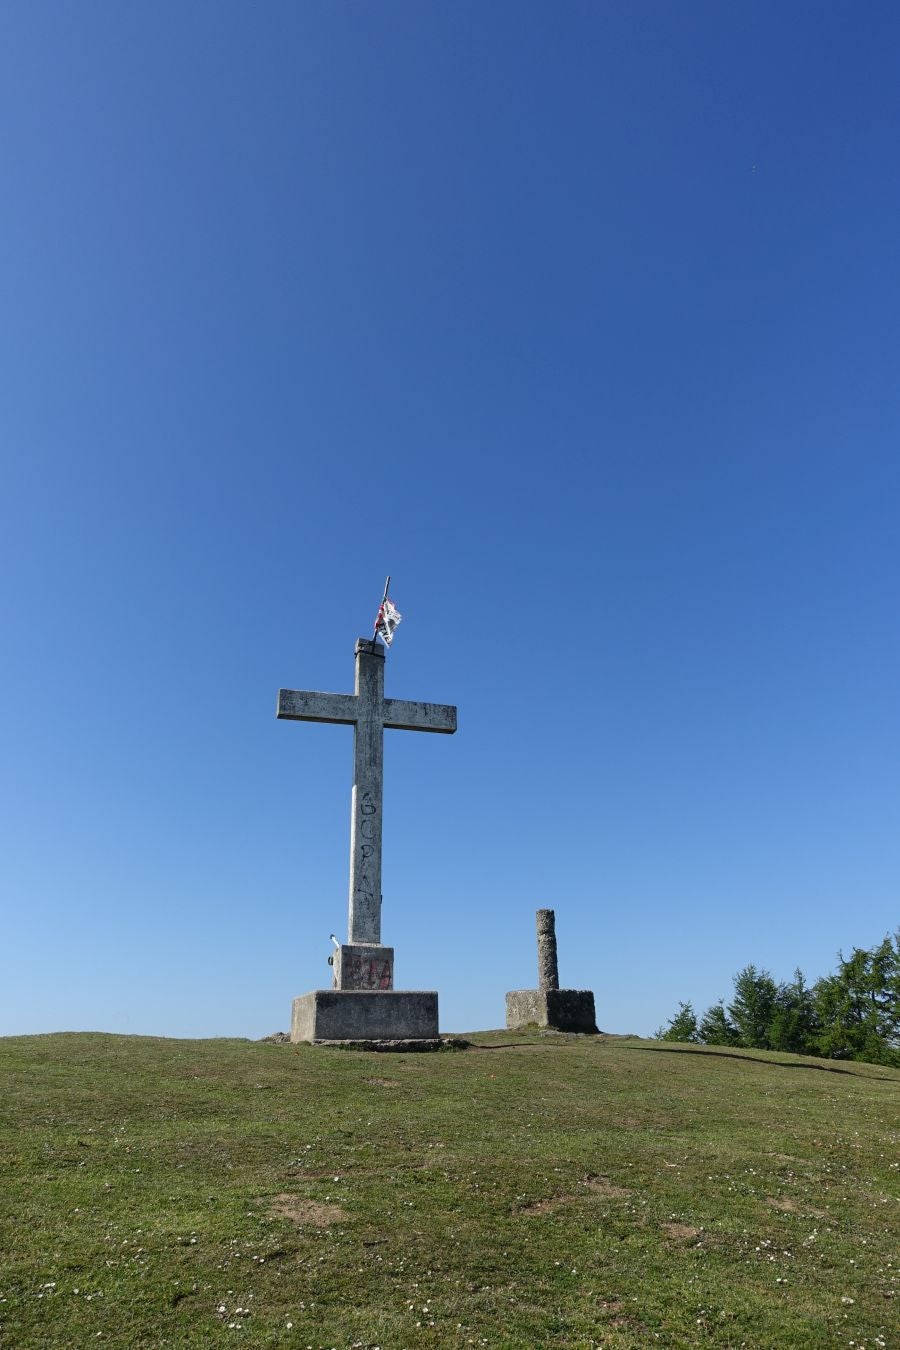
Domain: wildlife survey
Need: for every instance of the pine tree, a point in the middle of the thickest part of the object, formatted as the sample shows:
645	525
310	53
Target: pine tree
858	1008
715	1028
751	1012
681	1027
794	1025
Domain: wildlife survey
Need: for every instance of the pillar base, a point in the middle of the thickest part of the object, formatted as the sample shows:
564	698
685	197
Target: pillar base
557	1009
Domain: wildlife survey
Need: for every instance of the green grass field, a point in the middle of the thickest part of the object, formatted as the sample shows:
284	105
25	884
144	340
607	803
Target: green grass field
530	1191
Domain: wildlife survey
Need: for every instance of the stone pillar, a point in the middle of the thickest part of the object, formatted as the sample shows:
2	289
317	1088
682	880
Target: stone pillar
548	1005
548	970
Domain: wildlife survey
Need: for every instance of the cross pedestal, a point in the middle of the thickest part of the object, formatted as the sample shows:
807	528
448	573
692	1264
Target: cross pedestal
363	1004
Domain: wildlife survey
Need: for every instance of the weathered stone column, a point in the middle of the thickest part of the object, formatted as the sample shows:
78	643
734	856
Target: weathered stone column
548	1005
548	970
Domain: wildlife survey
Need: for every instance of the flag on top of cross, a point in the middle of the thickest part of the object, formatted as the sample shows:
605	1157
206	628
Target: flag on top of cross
388	618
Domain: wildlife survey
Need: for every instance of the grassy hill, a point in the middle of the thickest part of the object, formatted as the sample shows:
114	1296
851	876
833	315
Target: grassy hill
530	1191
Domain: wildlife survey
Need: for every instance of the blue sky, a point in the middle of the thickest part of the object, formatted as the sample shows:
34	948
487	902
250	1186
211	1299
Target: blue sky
582	321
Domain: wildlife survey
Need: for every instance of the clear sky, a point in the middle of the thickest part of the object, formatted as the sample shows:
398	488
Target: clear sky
582	321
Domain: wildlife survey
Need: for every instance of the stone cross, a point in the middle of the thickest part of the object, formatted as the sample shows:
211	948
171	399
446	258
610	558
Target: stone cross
369	712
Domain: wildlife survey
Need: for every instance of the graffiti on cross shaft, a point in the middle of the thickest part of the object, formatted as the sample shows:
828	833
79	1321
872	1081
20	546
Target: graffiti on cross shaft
364	885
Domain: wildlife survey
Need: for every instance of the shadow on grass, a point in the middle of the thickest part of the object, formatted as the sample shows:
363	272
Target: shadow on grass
508	1045
755	1059
538	1045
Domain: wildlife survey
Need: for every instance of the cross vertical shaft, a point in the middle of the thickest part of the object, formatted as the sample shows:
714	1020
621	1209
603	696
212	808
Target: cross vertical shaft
364	924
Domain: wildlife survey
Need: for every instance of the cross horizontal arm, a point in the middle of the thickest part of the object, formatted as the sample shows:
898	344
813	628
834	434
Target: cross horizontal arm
302	705
404	715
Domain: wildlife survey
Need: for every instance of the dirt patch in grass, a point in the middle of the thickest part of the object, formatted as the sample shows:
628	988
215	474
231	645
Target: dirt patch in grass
303	1173
789	1206
382	1082
544	1206
681	1232
595	1185
603	1186
632	1122
301	1211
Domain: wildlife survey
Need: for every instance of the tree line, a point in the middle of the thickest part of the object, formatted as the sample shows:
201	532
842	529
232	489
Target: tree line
851	1014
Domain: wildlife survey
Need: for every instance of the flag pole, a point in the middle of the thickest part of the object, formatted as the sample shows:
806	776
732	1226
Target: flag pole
381	606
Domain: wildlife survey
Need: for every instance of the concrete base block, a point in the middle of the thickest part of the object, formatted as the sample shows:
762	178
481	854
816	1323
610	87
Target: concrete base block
364	1015
559	1009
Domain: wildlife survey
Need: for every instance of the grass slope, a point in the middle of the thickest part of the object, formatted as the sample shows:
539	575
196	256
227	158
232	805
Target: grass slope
531	1191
